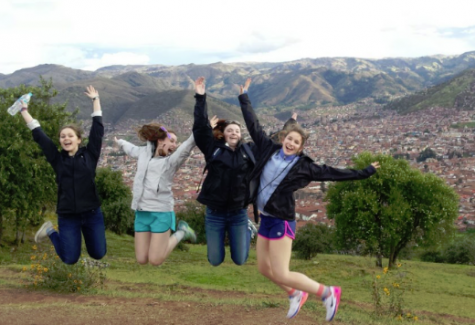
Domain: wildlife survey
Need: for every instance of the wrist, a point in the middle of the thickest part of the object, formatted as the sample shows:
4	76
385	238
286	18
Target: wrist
95	97
23	109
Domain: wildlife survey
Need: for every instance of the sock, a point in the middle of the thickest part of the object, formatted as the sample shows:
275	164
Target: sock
324	292
179	234
49	231
292	292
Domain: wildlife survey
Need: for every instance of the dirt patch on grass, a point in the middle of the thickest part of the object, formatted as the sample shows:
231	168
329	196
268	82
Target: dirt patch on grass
22	306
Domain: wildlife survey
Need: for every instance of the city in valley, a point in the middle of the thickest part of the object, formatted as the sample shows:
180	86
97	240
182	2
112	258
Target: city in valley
337	134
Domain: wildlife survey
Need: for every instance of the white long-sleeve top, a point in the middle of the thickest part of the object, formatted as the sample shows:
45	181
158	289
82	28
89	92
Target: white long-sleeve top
152	190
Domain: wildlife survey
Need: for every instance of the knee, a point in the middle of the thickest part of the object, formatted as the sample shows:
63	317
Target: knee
239	261
279	276
98	256
265	271
215	262
156	262
142	260
69	260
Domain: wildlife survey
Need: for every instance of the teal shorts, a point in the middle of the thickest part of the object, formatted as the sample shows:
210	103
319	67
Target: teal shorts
156	222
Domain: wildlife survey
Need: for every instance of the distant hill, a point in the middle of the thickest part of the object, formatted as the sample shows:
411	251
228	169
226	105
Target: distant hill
303	84
458	92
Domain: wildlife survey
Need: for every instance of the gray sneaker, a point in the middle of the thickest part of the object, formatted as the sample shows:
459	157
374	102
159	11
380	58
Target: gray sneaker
332	302
252	228
42	233
189	233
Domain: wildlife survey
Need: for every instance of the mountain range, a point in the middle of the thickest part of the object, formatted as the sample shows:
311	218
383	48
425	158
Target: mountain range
145	91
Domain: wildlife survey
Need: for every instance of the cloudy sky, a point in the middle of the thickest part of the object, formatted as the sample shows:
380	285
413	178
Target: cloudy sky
89	34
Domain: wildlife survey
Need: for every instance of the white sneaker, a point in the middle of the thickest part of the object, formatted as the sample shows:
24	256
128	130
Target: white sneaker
252	228
42	233
296	302
331	303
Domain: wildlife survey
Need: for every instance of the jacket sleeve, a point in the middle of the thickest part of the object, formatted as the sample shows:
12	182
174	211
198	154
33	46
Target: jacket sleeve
129	148
179	156
95	137
47	145
327	173
252	123
202	132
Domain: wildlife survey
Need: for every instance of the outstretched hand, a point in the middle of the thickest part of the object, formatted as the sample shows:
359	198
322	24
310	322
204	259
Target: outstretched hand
375	164
200	86
91	92
213	121
244	88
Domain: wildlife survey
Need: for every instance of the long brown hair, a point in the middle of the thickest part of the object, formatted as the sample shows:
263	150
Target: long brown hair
153	132
294	128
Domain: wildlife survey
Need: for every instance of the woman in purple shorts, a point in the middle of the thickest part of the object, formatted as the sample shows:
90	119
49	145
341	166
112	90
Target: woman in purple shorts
281	170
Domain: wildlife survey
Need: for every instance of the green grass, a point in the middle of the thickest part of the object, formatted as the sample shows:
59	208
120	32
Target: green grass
441	292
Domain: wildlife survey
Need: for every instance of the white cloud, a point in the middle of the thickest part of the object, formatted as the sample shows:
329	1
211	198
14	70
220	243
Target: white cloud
88	34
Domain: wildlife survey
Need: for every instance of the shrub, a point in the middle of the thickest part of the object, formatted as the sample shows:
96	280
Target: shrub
387	292
116	200
461	251
433	256
312	239
49	272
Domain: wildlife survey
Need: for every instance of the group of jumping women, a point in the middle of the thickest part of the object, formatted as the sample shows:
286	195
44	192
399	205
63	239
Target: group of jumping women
265	172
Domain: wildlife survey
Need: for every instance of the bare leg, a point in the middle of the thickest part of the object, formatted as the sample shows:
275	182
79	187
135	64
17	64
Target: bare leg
142	244
263	261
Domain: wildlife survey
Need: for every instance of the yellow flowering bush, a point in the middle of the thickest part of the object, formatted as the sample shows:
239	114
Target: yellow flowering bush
388	289
49	272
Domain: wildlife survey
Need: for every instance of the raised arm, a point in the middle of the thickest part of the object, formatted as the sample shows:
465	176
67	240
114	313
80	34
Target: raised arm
97	129
182	152
48	147
129	148
252	123
202	131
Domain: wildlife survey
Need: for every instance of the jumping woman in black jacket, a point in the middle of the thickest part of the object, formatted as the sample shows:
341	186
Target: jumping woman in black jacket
78	205
281	170
224	191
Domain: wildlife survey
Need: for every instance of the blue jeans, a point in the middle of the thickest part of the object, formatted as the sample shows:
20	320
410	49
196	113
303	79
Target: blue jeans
67	242
234	223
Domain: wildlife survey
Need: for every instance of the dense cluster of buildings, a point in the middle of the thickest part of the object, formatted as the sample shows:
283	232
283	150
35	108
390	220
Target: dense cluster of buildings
336	135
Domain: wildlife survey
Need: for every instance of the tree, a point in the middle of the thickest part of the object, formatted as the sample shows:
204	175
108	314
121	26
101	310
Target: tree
312	239
426	154
26	178
391	208
116	199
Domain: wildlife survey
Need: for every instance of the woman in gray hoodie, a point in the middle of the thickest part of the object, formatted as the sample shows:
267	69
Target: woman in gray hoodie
153	202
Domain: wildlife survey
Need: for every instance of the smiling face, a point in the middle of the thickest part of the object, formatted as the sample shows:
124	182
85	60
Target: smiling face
232	135
166	146
292	143
69	141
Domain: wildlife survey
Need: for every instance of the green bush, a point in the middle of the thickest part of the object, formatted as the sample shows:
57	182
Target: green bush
433	256
116	199
312	239
461	251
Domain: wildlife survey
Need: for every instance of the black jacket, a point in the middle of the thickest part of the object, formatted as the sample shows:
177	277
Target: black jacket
225	187
75	175
281	204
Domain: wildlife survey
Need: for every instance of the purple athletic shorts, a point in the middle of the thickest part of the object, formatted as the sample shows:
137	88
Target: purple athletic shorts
273	228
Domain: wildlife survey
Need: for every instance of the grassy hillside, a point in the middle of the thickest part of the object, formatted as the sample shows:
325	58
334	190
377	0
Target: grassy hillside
437	294
457	92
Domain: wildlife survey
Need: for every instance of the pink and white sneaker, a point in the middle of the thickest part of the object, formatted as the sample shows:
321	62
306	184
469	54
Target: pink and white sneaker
331	303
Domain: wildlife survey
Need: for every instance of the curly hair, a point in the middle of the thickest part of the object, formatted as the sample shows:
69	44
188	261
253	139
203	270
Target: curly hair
153	132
